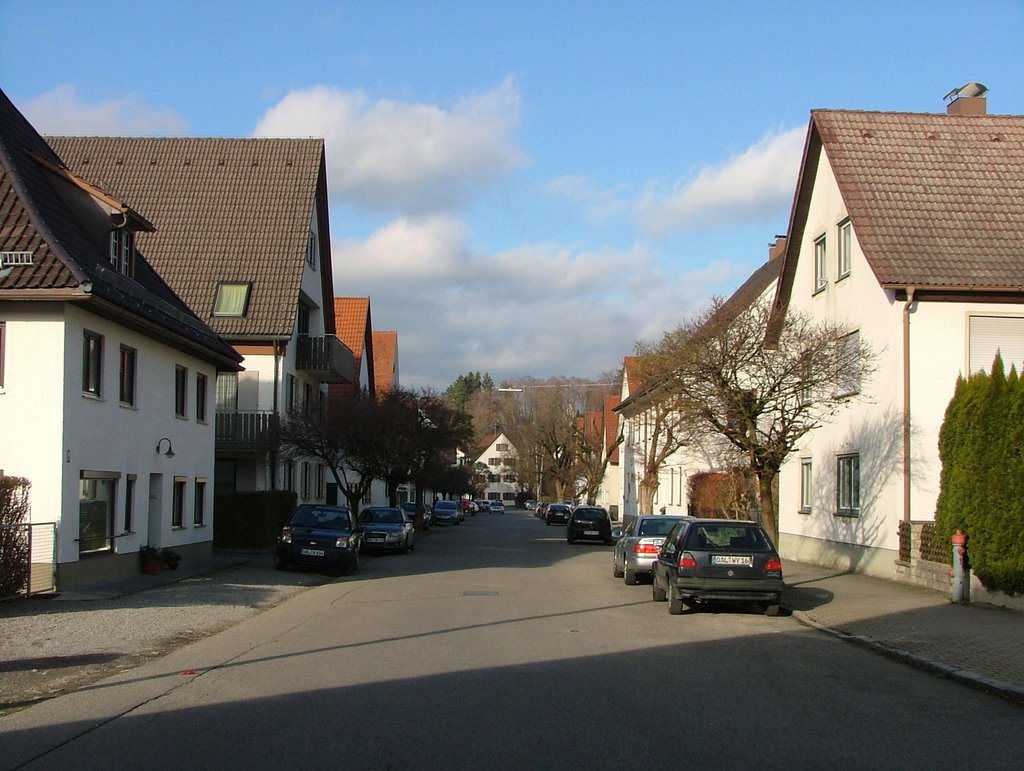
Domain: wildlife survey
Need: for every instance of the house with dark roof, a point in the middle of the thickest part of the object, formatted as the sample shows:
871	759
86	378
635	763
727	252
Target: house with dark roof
650	425
244	239
908	229
106	375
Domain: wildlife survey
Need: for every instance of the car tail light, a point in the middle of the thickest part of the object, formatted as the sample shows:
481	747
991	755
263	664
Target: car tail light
286	535
646	548
686	560
773	565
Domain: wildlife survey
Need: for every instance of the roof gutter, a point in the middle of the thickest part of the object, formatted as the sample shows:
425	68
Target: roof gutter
906	402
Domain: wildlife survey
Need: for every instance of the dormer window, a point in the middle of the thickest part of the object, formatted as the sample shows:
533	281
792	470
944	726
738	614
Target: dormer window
121	252
311	250
232	299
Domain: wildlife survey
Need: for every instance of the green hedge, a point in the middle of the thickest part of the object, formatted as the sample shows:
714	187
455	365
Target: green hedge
251	520
981	446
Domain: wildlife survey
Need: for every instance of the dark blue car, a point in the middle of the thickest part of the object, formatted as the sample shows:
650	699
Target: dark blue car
319	536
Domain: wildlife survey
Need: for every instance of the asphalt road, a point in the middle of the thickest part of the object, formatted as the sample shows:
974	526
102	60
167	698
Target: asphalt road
498	645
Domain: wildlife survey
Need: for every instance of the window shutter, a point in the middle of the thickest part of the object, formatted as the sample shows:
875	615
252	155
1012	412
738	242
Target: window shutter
989	334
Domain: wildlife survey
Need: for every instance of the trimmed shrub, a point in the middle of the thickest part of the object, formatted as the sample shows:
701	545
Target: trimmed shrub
14	508
251	520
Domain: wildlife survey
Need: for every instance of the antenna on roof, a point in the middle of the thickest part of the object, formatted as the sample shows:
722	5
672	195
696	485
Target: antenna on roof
968	90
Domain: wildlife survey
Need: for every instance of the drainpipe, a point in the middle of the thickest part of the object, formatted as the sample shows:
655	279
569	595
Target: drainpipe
906	403
277	374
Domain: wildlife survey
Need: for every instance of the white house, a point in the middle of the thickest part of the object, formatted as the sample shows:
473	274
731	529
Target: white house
497	454
909	230
245	241
106	377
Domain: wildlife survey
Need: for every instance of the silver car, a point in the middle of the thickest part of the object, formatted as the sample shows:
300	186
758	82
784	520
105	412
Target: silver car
637	546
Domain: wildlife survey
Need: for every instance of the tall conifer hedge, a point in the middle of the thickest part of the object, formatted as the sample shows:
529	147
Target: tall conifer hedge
981	446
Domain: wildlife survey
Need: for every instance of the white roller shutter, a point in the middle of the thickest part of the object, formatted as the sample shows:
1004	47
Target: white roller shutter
989	334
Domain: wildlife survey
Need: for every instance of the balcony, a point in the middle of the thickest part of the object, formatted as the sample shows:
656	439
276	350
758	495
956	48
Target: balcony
254	431
326	358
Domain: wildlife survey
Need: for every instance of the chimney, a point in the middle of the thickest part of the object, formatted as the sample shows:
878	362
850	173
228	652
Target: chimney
969	99
777	248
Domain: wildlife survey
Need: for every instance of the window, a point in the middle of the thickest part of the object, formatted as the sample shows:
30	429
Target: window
232	299
129	503
302	319
319	480
122	251
503	447
200	397
848	485
178	503
820	266
3	347
988	335
96	495
311	250
227	392
494	461
126	389
289	393
806	490
289	475
805	392
845	245
849	365
199	509
180	386
92	363
306	481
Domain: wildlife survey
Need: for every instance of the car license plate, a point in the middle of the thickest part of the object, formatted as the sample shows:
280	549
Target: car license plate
731	559
312	552
374	540
591	532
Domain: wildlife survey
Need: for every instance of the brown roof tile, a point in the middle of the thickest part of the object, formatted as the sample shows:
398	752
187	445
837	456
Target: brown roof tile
352	322
385	361
225	210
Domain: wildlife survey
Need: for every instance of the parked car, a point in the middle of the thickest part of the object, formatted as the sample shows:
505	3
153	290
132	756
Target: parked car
409	507
530	505
541	511
387	529
557	513
447	513
704	560
589	523
637	546
496	507
319	536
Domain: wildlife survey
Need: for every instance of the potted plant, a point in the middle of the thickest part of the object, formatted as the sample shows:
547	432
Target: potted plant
170	558
152	559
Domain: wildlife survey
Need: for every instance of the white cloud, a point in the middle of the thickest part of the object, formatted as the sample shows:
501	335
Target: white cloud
407	157
598	205
61	111
755	183
428	248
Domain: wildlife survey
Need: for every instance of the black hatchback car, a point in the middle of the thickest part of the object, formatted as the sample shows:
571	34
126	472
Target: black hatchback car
706	560
588	523
319	536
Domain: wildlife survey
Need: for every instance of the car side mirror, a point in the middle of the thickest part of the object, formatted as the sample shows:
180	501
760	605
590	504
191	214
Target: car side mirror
617	533
670	548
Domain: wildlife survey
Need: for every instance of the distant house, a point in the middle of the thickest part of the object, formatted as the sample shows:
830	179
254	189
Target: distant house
909	230
106	377
385	362
245	240
497	454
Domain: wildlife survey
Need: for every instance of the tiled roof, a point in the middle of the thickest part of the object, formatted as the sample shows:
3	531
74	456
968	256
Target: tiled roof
352	322
385	361
611	427
225	210
935	199
68	261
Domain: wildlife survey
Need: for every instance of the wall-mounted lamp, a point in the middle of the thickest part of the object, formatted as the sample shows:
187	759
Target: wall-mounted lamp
170	450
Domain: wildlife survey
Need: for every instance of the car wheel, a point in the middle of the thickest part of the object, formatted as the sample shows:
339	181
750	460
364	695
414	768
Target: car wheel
675	603
616	570
772	609
657	593
629	576
351	566
280	561
570	539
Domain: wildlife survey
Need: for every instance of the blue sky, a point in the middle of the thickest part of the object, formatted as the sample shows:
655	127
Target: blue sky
522	188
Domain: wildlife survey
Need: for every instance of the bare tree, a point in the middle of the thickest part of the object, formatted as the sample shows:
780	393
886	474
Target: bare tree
593	453
762	399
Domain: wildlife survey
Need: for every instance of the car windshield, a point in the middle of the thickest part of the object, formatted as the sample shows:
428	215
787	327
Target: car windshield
323	518
557	507
726	536
383	516
658	526
590	515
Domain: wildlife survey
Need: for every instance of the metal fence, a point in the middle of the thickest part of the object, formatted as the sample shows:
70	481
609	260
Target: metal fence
28	559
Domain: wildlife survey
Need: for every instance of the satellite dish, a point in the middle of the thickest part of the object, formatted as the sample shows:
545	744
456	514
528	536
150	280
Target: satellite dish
968	90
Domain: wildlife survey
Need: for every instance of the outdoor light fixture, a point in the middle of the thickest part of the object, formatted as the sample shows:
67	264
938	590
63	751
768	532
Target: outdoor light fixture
170	450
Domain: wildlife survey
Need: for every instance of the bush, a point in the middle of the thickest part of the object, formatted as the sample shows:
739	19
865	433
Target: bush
251	520
14	507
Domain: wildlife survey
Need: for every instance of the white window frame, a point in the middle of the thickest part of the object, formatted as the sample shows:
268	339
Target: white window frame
92	363
845	258
848	484
232	298
806	485
820	264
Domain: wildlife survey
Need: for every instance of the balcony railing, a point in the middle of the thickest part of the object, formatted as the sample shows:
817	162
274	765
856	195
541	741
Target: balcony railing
327	358
255	431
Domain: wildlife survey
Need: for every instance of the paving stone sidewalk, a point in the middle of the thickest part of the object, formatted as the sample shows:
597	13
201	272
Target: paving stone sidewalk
977	644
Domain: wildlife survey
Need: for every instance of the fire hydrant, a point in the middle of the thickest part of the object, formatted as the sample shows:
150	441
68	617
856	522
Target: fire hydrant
961	573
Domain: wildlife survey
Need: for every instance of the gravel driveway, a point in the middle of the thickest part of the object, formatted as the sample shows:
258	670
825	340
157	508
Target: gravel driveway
49	646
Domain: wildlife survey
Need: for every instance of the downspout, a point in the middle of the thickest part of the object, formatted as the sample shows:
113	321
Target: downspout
273	450
906	403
